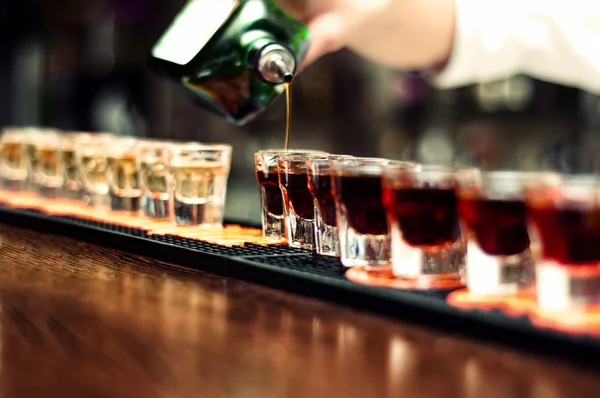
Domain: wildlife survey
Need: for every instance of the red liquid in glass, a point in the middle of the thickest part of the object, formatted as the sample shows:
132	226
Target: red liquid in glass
361	195
320	187
569	236
269	182
499	226
426	216
298	194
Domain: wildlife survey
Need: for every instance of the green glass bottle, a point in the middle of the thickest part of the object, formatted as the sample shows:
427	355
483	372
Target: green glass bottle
234	56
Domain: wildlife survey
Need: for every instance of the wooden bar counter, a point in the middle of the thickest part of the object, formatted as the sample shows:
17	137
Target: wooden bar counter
78	320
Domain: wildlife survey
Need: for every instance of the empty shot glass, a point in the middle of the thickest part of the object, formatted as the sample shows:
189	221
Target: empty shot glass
123	175
298	204
198	175
565	217
73	182
152	158
267	175
91	155
492	208
361	217
13	163
327	241
48	165
422	215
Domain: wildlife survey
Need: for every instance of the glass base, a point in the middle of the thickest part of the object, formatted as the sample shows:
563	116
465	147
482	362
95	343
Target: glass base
273	226
498	275
156	208
327	241
97	200
300	232
428	264
372	251
49	192
73	194
32	182
195	214
567	288
15	185
127	204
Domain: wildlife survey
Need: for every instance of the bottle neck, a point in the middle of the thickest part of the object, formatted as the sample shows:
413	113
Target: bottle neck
276	64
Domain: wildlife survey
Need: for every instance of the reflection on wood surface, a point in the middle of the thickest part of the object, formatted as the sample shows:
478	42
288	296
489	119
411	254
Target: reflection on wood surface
77	320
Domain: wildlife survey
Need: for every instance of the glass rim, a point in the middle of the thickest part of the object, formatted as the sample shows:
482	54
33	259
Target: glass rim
145	147
579	190
153	143
300	157
37	134
274	151
16	129
95	137
176	147
581	180
368	165
27	134
120	138
48	139
40	129
398	169
99	142
366	159
74	134
316	166
328	158
121	146
21	135
515	174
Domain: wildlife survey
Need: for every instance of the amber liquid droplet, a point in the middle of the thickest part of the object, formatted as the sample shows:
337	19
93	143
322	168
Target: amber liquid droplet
288	112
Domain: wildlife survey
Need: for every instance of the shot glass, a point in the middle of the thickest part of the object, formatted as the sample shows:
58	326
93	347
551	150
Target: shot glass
500	260
361	217
123	175
13	164
152	158
48	166
327	241
267	175
32	138
91	155
422	216
565	217
73	181
197	176
298	204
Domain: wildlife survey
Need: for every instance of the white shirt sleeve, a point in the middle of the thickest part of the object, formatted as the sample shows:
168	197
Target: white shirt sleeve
552	40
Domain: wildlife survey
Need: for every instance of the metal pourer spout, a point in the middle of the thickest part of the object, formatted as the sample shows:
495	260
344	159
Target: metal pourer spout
276	64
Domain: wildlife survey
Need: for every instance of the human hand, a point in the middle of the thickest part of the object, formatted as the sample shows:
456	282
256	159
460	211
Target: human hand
397	33
323	21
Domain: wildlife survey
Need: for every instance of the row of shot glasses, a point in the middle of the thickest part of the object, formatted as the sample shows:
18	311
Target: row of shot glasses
181	182
500	233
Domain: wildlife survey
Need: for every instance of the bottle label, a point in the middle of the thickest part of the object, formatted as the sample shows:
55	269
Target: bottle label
191	29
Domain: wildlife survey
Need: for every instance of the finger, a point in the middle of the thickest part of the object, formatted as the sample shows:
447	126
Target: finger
303	10
326	32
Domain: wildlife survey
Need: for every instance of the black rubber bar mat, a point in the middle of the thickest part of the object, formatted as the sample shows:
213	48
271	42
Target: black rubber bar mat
302	272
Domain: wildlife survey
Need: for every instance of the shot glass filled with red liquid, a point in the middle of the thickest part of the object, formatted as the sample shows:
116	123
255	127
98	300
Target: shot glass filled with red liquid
492	208
327	241
423	222
361	218
298	204
267	175
565	215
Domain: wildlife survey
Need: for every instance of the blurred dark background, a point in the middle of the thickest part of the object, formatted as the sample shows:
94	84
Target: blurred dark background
81	65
